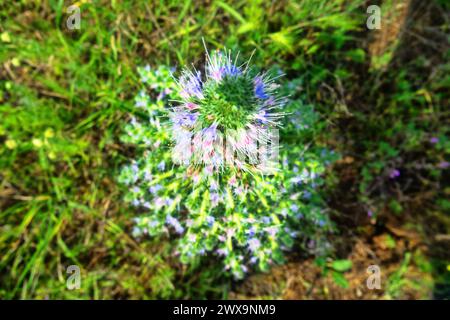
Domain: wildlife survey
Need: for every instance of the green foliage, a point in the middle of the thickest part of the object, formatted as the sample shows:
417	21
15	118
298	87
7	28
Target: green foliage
65	95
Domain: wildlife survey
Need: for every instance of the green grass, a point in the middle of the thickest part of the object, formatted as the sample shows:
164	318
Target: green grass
65	95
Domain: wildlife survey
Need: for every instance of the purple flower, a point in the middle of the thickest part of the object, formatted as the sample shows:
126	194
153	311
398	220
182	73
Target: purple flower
213	185
183	119
254	244
272	231
394	173
222	252
294	207
199	95
210	133
168	202
214	198
238	191
159	202
443	165
434	140
369	213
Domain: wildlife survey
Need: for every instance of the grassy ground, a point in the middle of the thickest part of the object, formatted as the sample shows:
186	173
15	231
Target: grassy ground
65	95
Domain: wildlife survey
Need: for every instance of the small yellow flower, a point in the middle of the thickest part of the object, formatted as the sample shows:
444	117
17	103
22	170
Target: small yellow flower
49	133
51	155
11	144
37	142
5	37
15	62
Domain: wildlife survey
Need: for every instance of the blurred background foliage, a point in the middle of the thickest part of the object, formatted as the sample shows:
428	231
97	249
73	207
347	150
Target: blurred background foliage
64	96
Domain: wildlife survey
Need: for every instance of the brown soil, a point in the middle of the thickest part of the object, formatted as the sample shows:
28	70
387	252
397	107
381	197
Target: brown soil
305	280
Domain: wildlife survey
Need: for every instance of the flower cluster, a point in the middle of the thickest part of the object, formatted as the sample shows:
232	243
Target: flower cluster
226	120
247	220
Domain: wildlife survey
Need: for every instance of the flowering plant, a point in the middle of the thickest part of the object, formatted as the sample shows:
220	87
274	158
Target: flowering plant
209	168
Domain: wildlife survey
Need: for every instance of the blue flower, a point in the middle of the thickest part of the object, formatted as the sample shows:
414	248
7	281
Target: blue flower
210	220
191	85
141	103
136	232
146	204
169	202
154	189
136	189
162	166
259	88
297	180
175	224
266	220
251	231
253	260
306	195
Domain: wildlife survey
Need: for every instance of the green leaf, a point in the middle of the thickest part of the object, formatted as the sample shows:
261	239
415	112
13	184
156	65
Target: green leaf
341	265
340	280
231	11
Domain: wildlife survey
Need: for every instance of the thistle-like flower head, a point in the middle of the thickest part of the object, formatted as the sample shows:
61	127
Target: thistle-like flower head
225	115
